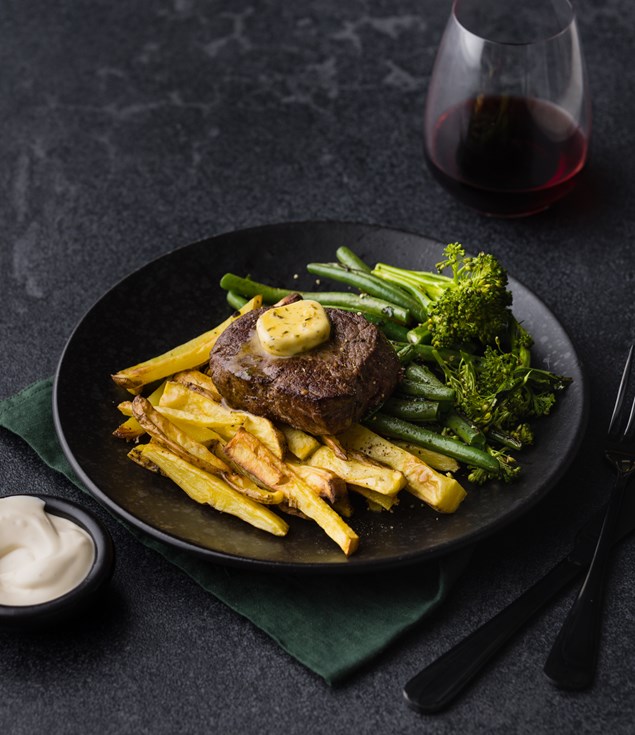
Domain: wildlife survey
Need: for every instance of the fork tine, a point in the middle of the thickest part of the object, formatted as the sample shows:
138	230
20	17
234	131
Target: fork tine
630	427
619	401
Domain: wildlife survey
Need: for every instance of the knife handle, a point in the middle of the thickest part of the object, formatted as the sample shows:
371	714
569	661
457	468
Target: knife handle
438	684
572	660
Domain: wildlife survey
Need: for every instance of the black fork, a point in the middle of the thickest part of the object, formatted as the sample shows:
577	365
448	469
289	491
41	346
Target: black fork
572	661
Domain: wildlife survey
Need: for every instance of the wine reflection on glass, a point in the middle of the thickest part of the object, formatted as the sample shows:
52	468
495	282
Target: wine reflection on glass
507	118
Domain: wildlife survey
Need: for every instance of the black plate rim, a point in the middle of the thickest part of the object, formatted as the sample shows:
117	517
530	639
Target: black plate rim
357	567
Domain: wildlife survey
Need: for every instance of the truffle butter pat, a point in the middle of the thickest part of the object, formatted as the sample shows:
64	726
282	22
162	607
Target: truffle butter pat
293	328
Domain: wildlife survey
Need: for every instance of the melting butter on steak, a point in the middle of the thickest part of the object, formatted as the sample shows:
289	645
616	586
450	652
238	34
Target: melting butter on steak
323	391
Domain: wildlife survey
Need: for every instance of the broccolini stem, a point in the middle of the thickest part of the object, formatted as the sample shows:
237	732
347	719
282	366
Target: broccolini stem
520	343
428	286
504	438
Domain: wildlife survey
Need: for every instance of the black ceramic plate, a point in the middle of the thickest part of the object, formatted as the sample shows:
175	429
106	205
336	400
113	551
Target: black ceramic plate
177	297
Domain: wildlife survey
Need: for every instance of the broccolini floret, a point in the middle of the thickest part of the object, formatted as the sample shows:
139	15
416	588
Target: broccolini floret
499	391
508	468
470	305
474	304
483	352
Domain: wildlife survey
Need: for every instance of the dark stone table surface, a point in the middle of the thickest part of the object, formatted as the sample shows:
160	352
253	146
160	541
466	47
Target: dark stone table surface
129	129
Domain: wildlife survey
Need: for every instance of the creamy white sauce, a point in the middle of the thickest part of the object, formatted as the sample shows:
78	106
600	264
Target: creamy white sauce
42	556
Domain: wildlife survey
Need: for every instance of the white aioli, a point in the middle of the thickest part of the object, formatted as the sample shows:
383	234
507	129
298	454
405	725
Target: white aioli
42	556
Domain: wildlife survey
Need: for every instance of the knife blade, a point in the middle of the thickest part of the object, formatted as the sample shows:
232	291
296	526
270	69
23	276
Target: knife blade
437	685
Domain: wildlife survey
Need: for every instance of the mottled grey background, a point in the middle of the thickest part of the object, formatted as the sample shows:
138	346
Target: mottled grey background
129	129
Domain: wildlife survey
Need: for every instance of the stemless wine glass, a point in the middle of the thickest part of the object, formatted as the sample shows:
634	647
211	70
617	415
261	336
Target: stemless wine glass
507	116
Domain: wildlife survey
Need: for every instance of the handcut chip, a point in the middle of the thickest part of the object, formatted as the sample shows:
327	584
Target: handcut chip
441	492
184	357
205	488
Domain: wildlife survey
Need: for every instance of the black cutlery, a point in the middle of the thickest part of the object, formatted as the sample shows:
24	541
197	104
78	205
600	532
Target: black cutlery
572	661
436	686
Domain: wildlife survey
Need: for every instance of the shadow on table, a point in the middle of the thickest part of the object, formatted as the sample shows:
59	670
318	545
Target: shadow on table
83	635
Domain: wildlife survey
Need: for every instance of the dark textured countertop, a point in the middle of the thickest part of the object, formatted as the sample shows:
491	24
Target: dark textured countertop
129	129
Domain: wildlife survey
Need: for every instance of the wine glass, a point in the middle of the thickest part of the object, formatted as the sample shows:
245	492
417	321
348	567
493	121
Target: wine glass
507	118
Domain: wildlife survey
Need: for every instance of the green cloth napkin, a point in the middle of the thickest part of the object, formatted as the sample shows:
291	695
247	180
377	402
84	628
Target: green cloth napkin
331	624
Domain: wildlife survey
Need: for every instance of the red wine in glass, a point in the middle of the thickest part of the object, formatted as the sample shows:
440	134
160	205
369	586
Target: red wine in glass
506	155
507	117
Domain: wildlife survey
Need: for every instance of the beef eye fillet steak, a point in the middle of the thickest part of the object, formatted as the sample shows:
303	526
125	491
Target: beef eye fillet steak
322	391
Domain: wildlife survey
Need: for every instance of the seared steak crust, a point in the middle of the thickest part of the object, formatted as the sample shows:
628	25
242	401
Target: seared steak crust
323	391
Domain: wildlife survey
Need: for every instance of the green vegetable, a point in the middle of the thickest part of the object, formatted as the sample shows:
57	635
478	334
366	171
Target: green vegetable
471	305
347	257
235	300
399	429
368	284
419	335
270	294
248	288
425	390
505	439
425	353
464	429
411	409
498	391
405	352
421	381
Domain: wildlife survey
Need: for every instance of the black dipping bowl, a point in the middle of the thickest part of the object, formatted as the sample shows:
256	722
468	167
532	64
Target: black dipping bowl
86	592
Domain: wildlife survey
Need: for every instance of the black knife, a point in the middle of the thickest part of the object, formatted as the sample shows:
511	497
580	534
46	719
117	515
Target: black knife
438	684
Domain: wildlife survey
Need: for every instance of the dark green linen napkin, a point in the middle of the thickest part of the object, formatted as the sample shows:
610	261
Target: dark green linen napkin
331	624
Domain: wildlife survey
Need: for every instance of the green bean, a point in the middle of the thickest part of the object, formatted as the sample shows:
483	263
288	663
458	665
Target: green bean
363	303
405	352
426	353
411	409
399	429
235	300
423	374
419	335
247	287
464	429
421	381
425	390
390	329
368	284
347	257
